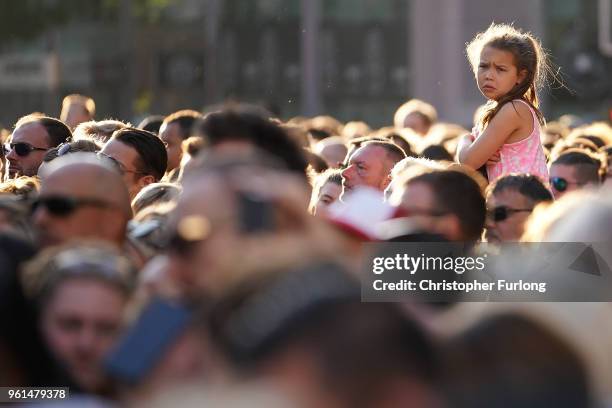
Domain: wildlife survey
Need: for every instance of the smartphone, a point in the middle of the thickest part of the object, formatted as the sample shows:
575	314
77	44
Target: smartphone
256	213
144	344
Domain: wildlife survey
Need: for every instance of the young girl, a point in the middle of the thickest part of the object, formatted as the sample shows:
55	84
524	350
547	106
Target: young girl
510	67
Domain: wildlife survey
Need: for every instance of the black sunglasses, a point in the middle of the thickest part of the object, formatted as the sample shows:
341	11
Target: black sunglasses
22	149
64	206
560	184
502	212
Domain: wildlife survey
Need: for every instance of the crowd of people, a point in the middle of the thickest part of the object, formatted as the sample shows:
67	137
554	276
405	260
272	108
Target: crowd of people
213	258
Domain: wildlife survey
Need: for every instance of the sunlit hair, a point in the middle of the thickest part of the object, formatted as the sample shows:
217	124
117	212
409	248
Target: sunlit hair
547	215
318	181
426	111
88	103
355	129
155	193
529	56
589	167
405	170
186	120
90	259
321	127
23	186
98	131
528	185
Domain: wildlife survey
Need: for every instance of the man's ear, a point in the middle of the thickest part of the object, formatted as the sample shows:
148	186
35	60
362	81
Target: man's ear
386	181
146	180
450	227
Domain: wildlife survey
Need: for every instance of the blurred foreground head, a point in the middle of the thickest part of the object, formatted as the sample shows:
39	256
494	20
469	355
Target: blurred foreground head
306	332
512	361
245	129
238	215
26	361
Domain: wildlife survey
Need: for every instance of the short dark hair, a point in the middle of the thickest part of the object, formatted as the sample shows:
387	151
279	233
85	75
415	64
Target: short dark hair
56	129
394	152
153	158
317	162
436	152
527	185
151	123
588	166
186	119
499	362
321	312
458	194
247	124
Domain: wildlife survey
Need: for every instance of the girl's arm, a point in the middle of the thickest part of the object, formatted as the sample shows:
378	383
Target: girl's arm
475	153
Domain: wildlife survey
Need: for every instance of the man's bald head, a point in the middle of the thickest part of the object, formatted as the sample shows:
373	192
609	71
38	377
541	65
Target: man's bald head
82	196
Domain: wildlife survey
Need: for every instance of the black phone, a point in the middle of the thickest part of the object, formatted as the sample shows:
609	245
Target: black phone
256	213
144	344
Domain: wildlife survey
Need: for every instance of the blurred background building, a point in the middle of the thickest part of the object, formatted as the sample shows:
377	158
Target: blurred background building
354	59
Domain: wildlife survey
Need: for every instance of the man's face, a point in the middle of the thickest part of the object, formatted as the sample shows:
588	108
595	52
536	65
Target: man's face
171	136
87	220
35	136
328	194
511	228
206	211
564	179
419	202
80	324
368	166
126	156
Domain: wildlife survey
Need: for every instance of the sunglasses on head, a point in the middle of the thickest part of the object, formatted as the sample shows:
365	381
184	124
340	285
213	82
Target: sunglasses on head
560	184
21	149
502	212
64	206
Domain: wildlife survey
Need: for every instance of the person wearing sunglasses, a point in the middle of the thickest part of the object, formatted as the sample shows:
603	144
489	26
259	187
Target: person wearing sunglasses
574	169
32	138
140	155
81	197
448	203
510	201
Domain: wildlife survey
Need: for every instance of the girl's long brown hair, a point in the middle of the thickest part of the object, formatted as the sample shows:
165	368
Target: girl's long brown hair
529	56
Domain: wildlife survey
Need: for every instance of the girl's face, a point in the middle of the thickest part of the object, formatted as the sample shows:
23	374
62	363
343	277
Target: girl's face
497	73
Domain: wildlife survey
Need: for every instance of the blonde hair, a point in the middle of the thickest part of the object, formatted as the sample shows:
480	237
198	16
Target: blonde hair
23	186
98	131
546	215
